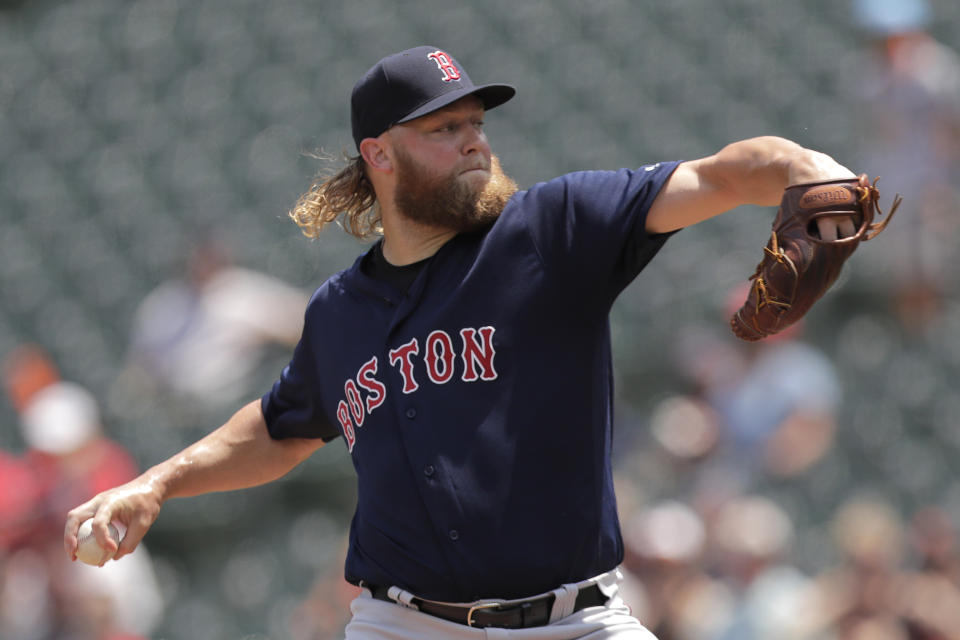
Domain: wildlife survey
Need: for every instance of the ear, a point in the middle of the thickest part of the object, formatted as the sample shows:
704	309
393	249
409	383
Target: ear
374	152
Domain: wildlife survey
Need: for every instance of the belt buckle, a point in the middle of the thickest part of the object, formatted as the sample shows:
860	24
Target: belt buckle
476	607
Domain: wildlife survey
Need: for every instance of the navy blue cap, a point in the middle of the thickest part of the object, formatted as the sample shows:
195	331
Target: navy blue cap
410	84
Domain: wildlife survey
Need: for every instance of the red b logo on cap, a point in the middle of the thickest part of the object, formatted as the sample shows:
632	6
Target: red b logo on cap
450	71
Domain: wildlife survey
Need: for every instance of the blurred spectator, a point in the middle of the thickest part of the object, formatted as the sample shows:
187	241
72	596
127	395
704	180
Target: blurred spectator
686	426
750	547
18	497
857	598
909	94
27	370
664	545
202	336
929	596
68	458
722	572
873	593
933	538
756	410
754	413
67	449
782	409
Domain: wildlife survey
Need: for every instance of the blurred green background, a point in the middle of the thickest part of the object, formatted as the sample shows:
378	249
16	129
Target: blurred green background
129	127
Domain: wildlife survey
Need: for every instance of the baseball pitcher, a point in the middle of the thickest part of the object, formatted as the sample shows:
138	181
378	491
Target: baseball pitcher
465	362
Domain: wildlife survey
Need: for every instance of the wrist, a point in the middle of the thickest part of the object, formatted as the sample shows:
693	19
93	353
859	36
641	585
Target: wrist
159	482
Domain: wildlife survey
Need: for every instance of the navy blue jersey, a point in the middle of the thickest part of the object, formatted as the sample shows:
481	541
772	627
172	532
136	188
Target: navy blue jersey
477	406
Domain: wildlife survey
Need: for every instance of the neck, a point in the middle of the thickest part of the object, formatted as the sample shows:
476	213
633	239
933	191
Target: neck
406	242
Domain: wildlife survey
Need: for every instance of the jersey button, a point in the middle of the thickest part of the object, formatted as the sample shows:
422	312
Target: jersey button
454	534
411	413
428	470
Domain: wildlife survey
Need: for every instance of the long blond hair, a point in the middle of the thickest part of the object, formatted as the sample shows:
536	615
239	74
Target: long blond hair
346	197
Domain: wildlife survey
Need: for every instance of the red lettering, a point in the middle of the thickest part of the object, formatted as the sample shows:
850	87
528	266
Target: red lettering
376	389
403	355
445	64
481	353
354	401
439	357
343	415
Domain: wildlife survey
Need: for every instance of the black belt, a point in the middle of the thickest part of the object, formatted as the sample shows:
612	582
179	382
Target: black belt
519	614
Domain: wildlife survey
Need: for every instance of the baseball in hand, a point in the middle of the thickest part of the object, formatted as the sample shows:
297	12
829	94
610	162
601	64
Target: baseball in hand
88	551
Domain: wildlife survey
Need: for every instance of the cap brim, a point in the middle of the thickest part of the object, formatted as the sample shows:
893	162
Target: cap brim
492	95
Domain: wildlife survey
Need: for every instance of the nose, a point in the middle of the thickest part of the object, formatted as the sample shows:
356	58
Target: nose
476	142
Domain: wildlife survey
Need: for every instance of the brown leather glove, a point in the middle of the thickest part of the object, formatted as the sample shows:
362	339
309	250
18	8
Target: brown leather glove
798	266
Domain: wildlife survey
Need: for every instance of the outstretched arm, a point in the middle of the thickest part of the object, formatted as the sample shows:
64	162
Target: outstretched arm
239	454
753	171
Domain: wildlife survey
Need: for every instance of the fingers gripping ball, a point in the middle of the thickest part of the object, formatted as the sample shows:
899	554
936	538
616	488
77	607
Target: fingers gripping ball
88	551
798	266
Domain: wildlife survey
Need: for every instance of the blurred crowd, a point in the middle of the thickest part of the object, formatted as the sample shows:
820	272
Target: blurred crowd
195	341
68	459
724	571
907	94
199	337
712	554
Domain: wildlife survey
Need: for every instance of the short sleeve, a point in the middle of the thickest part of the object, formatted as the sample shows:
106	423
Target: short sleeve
591	225
293	408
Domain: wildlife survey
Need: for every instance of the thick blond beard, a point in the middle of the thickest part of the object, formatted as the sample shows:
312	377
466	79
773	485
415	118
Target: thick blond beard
447	203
